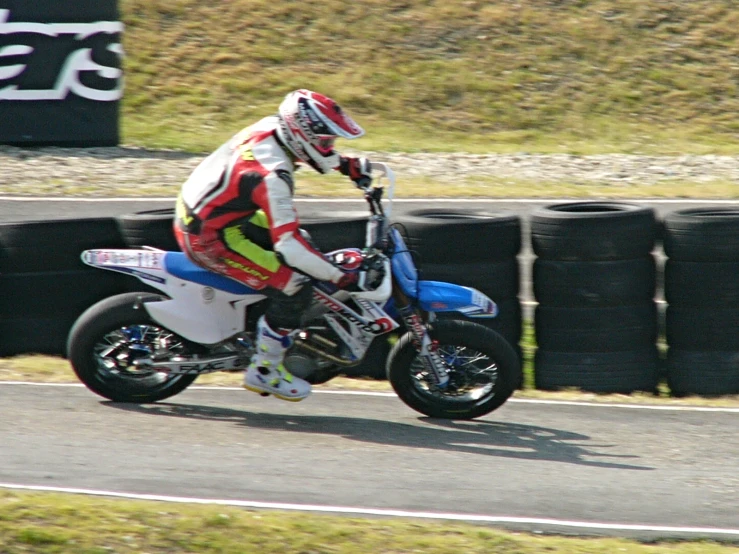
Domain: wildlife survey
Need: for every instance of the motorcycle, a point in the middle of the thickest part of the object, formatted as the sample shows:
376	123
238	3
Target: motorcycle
144	347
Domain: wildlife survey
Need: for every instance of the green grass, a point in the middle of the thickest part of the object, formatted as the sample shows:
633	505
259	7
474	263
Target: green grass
54	523
576	76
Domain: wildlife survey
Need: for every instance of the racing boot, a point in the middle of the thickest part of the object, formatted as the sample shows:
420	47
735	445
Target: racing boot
266	375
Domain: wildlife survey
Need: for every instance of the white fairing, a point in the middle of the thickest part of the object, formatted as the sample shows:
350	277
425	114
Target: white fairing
202	314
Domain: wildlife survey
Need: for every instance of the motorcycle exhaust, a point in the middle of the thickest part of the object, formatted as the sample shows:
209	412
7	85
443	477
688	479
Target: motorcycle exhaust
304	342
189	366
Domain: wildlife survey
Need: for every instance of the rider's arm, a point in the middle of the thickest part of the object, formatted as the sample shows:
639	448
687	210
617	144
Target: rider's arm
275	198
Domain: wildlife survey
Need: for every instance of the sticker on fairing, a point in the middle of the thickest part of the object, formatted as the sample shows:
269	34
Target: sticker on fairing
124	258
487	308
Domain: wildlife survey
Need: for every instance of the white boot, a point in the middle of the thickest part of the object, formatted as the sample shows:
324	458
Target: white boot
266	374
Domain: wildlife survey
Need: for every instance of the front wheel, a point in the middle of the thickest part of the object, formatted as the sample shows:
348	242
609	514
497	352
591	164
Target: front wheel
482	369
109	337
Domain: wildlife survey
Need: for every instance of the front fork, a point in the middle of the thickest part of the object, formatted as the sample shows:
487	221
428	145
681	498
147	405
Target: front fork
427	348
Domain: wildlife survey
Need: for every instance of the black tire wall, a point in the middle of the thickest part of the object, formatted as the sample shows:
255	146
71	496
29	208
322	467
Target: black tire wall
44	286
594	258
702	292
595	280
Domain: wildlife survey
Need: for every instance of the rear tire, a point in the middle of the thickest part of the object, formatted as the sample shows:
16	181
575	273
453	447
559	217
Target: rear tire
405	371
107	375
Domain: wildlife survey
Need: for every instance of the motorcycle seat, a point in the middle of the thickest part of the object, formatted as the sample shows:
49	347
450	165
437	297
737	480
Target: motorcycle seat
179	265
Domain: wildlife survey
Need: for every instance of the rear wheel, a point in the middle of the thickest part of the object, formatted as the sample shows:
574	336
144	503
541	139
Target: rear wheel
482	365
107	340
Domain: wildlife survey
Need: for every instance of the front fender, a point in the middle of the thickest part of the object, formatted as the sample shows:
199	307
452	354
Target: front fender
437	296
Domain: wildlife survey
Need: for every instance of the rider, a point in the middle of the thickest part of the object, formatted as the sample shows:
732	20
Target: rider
235	216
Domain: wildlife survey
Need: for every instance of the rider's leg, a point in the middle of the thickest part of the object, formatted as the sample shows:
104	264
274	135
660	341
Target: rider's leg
229	252
266	373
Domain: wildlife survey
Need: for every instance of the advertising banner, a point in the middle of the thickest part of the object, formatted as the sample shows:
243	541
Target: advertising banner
60	72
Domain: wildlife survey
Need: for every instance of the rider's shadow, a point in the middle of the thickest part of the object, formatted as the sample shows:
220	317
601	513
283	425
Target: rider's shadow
508	440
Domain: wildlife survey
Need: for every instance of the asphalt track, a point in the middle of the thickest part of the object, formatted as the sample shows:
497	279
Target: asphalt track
548	467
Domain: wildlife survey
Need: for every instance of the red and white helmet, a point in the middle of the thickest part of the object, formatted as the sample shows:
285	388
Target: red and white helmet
309	125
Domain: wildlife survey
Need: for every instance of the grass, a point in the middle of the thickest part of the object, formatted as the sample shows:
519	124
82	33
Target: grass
576	76
54	523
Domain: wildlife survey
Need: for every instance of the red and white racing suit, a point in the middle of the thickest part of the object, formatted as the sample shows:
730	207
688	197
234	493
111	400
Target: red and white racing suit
235	215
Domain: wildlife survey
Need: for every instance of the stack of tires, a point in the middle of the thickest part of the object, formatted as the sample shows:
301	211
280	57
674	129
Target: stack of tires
702	293
472	248
152	228
44	286
594	279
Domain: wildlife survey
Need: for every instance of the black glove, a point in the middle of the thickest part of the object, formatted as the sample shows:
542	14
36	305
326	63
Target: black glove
358	170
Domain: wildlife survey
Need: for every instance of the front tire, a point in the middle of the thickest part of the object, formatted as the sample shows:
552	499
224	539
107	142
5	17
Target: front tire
483	371
110	335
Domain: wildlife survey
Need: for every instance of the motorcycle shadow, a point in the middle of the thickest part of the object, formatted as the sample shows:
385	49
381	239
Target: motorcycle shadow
490	438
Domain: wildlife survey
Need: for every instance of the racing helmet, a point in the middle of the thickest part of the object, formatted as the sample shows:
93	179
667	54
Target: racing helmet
309	123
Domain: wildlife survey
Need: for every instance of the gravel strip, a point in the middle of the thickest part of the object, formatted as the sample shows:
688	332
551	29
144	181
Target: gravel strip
127	170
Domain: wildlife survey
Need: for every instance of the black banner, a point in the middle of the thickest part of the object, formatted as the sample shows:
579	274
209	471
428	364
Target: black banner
60	72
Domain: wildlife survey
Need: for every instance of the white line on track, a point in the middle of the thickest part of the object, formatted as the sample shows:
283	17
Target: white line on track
396	200
476	518
393	395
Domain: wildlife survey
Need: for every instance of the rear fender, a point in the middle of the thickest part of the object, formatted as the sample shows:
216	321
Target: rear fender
145	265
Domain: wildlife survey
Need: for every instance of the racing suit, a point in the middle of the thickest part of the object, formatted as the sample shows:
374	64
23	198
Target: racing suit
235	216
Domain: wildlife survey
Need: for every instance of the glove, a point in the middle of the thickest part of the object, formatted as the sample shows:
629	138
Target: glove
348	280
358	170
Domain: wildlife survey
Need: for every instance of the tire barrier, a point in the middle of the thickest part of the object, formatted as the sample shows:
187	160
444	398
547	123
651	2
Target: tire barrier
594	279
472	248
702	295
41	246
152	228
593	231
444	235
332	232
45	286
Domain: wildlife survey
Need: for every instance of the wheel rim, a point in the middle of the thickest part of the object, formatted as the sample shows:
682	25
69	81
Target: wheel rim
472	375
116	352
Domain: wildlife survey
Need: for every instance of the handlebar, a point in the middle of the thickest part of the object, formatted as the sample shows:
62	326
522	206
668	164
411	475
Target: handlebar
384	170
373	195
